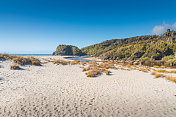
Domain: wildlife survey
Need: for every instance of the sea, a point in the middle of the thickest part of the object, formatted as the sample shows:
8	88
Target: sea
69	58
32	54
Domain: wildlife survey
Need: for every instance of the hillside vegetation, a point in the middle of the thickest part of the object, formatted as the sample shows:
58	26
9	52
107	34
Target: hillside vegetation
68	50
150	47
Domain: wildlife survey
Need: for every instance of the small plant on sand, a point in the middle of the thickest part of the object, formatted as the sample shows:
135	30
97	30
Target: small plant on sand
153	73
84	69
168	77
4	57
173	71
155	66
144	69
62	62
75	62
163	67
27	61
165	71
107	72
35	61
174	79
158	75
128	65
93	73
107	65
83	63
171	78
162	71
45	62
15	67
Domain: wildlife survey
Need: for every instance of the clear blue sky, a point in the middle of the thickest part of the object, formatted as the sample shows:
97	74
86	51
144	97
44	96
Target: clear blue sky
39	26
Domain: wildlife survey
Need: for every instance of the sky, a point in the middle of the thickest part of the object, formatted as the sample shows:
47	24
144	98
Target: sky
39	26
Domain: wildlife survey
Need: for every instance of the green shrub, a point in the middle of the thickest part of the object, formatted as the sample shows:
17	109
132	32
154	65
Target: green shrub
167	58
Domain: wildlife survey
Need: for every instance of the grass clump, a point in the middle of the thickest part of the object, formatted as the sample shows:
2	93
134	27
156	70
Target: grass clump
62	62
4	57
165	71
155	66
94	69
157	75
173	71
163	66
153	73
107	65
83	63
106	71
84	69
144	69
171	78
15	67
162	71
93	73
26	61
75	62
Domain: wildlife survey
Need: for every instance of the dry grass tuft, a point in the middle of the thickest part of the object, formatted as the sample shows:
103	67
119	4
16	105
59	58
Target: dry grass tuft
84	69
15	67
26	61
107	65
75	62
94	69
93	73
158	75
165	71
144	69
4	57
45	62
174	71
107	72
171	78
162	66
153	73
62	62
128	65
162	71
83	63
155	66
168	77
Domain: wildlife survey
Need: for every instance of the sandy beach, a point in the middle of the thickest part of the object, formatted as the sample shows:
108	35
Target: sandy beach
54	90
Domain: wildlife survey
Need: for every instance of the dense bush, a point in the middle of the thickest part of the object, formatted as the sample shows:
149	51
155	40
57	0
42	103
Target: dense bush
135	48
68	50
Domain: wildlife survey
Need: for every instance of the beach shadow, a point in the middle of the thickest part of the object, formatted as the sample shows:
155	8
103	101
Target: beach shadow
68	57
110	74
18	69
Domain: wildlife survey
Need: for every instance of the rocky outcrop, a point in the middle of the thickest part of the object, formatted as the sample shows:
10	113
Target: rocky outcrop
68	50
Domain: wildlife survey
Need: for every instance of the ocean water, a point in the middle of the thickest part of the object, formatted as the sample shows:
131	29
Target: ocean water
69	58
32	54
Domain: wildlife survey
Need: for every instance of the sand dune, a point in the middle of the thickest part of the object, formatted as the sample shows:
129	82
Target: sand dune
56	90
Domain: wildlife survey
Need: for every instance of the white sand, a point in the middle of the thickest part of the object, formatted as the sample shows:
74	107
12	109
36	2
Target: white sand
57	90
